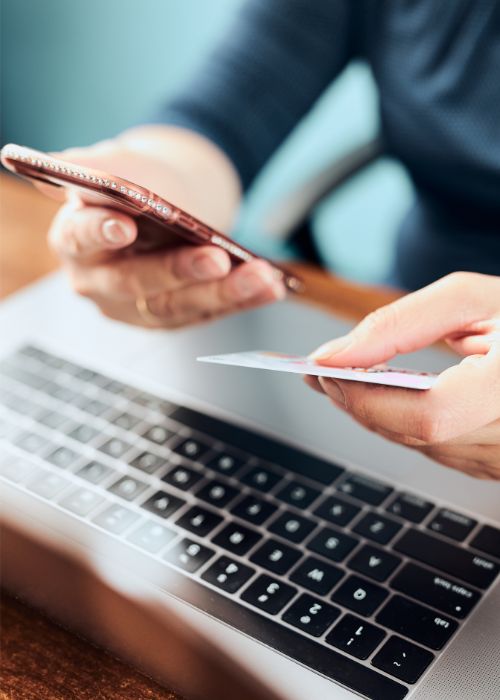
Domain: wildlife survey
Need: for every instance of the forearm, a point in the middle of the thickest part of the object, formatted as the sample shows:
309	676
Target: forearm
210	181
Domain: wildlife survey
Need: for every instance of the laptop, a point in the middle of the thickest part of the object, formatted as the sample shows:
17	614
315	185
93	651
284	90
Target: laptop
227	530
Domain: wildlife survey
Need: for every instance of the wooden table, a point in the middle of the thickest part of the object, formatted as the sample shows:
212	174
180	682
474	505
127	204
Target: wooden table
39	660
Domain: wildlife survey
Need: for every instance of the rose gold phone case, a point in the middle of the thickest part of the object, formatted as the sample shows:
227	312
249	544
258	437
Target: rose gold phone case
155	216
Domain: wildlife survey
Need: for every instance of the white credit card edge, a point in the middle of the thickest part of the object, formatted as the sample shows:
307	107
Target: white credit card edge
406	381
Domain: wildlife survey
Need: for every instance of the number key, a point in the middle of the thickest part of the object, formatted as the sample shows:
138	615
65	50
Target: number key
228	574
217	493
297	494
268	594
337	511
355	636
377	528
261	478
311	615
188	555
255	510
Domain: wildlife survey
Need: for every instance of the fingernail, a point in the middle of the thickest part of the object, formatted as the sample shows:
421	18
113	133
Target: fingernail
333	347
209	266
113	231
336	394
252	284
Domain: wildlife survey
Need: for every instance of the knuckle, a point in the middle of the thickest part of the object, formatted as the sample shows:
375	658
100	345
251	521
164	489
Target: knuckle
430	427
458	279
117	280
383	319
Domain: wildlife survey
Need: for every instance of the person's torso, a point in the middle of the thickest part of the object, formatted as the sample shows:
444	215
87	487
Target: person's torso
437	65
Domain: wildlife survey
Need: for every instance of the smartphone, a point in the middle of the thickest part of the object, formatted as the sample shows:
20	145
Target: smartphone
160	223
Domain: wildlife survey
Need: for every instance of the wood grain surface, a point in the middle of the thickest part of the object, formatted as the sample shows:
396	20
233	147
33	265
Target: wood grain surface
40	660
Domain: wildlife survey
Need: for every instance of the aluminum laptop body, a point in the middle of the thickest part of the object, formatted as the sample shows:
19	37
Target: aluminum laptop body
339	500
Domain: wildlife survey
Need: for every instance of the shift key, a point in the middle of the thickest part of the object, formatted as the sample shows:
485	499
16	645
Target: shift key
444	556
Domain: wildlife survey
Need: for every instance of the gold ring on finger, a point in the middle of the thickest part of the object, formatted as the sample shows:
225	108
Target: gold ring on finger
142	306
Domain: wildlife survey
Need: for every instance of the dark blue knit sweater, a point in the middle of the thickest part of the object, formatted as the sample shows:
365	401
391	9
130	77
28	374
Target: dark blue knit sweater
437	67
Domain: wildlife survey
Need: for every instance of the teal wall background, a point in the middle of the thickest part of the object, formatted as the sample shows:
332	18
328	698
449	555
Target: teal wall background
76	71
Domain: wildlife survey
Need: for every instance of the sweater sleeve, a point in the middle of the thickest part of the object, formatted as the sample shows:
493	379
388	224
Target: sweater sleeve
273	63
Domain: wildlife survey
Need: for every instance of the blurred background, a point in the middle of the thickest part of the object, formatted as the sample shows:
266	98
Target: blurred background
77	71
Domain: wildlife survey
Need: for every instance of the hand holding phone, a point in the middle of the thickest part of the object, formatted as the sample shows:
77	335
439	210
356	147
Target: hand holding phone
138	256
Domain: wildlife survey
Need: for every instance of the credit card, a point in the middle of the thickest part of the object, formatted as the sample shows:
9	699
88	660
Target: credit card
281	362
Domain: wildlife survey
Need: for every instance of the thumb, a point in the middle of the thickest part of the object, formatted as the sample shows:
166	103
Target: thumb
415	321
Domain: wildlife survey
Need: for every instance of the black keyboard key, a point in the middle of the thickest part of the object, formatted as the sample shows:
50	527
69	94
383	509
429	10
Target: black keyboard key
253	509
188	555
292	527
261	478
276	557
417	622
268	594
355	636
86	375
290	458
374	562
452	524
92	406
487	540
316	575
199	521
127	488
163	504
403	659
192	448
360	595
84	433
228	574
182	477
217	493
297	494
364	489
377	528
63	393
236	538
332	544
116	387
158	434
148	462
410	507
115	447
31	442
311	615
94	472
52	419
63	457
151	537
337	510
225	463
125	421
152	403
474	569
436	590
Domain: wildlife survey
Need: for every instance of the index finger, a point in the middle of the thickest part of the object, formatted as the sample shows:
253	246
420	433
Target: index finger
82	231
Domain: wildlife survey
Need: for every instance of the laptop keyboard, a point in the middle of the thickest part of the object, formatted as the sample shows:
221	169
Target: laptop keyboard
337	570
